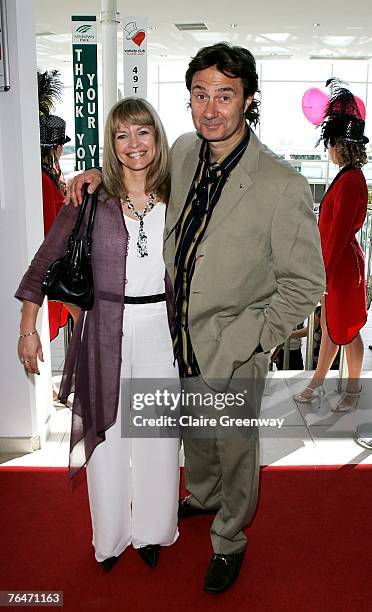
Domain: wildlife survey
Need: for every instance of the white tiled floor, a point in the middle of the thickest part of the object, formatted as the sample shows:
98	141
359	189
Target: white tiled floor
311	434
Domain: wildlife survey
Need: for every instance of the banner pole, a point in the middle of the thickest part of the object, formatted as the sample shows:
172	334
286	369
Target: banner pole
109	19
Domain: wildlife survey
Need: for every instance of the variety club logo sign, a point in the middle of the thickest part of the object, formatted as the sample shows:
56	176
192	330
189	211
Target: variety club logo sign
135	56
134	34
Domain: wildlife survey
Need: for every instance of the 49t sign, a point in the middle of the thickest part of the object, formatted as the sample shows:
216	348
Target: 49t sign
135	56
84	50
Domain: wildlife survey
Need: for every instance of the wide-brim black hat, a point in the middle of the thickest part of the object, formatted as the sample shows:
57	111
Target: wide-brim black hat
52	131
342	118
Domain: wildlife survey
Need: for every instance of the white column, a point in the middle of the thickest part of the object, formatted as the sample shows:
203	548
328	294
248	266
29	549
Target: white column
25	402
109	19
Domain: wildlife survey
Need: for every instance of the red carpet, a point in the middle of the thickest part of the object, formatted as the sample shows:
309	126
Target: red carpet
309	547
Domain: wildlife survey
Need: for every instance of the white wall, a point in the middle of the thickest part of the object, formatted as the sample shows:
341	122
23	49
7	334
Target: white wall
24	403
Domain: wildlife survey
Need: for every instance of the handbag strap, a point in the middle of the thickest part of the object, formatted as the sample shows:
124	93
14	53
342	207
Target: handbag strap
92	214
82	210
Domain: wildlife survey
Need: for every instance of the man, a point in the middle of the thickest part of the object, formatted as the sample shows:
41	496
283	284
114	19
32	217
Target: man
241	246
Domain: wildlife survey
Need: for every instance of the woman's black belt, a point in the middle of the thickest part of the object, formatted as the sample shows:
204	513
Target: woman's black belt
144	299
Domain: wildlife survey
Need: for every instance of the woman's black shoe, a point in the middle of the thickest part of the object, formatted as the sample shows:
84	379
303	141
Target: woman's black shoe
109	563
150	554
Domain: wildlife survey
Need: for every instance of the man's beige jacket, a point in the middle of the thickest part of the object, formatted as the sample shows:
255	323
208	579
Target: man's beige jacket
259	268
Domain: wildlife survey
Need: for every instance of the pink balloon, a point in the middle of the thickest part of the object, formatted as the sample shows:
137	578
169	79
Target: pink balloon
362	108
314	102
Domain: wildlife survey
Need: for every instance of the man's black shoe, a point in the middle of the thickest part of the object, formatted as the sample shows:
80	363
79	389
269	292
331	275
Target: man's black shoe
185	509
109	563
223	571
150	554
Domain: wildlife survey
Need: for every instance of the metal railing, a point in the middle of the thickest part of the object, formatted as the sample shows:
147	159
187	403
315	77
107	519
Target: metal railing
67	333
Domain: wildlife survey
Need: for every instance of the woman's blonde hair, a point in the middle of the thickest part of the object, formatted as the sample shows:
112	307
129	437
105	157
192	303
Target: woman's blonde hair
135	111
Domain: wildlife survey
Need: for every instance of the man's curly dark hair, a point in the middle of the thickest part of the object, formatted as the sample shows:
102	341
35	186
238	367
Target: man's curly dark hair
233	62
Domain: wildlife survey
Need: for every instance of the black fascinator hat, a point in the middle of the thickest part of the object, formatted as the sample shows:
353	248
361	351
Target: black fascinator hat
52	131
342	118
52	128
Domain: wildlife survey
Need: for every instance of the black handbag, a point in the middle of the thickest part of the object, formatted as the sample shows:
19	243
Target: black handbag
70	278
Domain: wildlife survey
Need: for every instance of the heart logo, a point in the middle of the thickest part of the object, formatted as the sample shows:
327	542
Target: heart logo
139	38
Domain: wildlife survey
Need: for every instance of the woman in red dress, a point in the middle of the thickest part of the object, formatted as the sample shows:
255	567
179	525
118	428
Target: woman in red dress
52	138
342	213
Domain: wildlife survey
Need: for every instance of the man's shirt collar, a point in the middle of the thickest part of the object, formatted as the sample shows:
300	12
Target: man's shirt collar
227	160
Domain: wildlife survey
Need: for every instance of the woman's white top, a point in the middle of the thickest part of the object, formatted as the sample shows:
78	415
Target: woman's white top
145	275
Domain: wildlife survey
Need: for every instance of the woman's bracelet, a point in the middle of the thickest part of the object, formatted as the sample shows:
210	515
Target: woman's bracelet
31	333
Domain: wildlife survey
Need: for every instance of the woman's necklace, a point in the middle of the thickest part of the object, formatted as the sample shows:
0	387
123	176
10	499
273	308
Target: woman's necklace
142	238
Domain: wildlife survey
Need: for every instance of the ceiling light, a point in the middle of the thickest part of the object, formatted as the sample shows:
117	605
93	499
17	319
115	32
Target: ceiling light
337	41
272	56
191	27
46	33
279	37
274	50
358	58
210	37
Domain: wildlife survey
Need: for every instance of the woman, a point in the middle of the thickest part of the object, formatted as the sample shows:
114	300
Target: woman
132	483
343	210
52	138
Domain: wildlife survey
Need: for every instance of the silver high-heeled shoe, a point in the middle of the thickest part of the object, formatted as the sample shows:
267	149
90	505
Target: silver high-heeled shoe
316	394
344	404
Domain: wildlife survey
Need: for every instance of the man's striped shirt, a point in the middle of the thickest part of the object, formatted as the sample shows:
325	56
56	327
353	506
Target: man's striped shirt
205	191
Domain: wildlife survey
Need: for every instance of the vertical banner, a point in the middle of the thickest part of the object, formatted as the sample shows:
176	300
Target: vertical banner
135	56
84	51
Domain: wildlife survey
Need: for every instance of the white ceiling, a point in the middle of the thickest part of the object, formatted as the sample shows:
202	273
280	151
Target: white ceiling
271	29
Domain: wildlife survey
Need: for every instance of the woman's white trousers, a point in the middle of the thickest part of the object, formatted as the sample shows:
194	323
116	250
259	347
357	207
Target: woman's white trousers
132	482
